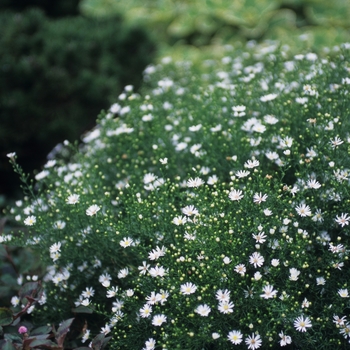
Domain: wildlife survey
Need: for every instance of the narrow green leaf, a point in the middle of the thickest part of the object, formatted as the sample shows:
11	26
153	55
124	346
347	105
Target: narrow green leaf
82	310
41	330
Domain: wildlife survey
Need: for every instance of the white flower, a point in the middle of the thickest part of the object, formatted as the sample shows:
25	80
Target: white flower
203	310
235	337
285	339
268	97
180	220
158	320
343	219
215	335
344	293
92	210
226	307
106	329
241	269
56	247
302	323
303	210
223	295
11	155
251	163
42	175
235	195
30	220
157	271
267	212
257	276
336	142
144	268
73	199
320	281
242	173
88	292
163	160
312	183
15	301
188	288
123	273
269	292
253	342
190	210
150	344
111	293
126	242
226	260
275	262
256	259
260	237
105	279
195	182
294	274
146	311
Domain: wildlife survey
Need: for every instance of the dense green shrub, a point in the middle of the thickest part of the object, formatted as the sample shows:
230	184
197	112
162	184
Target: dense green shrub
52	8
57	75
198	22
209	210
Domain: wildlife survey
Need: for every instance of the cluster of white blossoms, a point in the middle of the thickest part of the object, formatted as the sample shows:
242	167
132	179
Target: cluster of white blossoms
208	214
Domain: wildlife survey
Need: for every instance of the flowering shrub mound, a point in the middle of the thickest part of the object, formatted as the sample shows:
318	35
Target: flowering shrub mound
210	211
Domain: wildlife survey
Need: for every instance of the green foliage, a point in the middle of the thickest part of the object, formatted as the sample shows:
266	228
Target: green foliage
210	209
57	75
199	23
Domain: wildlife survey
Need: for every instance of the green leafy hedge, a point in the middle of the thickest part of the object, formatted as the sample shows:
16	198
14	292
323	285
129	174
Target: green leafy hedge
57	75
198	22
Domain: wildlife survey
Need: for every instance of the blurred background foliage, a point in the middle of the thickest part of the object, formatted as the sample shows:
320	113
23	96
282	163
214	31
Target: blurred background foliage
56	75
211	23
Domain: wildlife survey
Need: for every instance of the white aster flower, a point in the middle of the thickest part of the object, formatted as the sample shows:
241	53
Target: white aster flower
254	341
226	307
285	339
343	219
126	242
73	199
235	337
302	323
236	195
30	220
195	182
241	269
92	210
188	288
303	210
294	274
203	310
269	292
256	259
158	320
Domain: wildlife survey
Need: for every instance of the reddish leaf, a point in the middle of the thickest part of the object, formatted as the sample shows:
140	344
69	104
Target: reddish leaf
62	331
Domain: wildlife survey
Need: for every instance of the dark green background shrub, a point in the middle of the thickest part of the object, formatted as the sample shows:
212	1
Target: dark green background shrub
52	8
57	75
